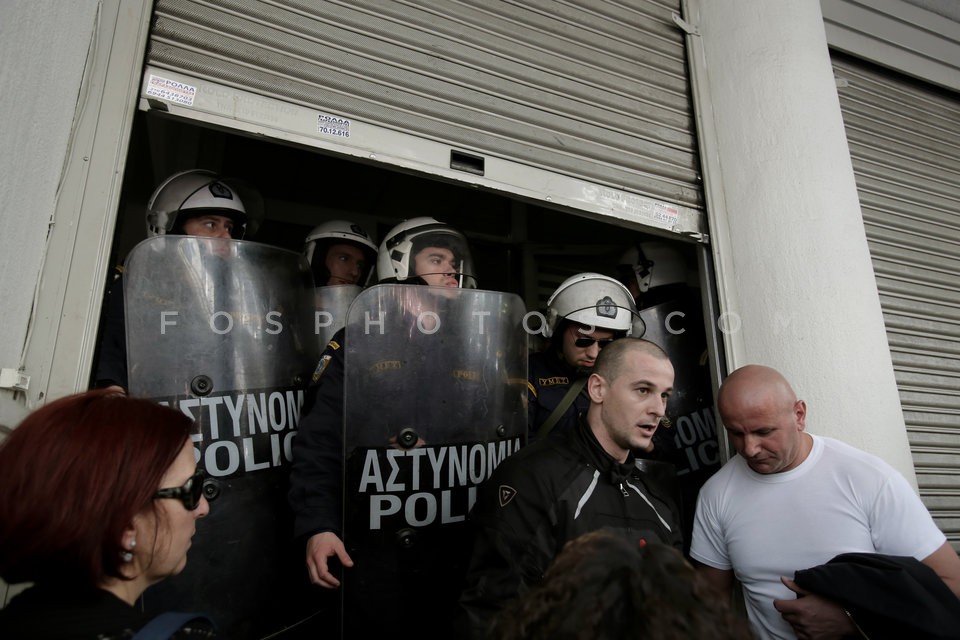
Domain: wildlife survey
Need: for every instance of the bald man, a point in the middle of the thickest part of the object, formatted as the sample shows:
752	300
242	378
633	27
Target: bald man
791	500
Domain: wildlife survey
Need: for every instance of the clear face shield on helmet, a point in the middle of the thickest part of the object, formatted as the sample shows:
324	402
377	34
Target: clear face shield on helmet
340	253
595	301
442	259
432	253
224	205
622	320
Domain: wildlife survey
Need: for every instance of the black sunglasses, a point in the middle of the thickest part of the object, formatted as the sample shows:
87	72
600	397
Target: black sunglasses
583	343
189	494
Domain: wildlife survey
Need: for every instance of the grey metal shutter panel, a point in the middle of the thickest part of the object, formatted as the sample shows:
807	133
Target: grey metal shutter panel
593	89
905	142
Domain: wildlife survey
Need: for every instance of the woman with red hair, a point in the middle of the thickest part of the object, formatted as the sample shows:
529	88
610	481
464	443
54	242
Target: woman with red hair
100	500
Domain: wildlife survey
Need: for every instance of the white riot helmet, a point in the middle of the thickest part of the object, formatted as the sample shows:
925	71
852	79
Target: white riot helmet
191	193
594	300
653	264
395	262
325	235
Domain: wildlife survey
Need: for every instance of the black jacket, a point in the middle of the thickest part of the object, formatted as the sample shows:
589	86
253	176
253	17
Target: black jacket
547	494
71	612
889	597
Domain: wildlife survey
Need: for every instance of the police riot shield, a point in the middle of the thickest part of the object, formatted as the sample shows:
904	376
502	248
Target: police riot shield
689	435
435	384
223	330
331	313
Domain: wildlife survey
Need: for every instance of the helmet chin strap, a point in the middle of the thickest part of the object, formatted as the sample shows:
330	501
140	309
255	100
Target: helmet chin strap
420	280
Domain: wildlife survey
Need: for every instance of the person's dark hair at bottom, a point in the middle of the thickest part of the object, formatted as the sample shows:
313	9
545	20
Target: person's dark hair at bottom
602	586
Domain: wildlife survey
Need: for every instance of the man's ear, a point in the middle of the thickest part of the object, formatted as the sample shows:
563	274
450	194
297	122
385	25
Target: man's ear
596	388
800	414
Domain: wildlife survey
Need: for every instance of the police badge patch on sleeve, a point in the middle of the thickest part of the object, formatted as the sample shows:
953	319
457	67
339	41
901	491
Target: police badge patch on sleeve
321	367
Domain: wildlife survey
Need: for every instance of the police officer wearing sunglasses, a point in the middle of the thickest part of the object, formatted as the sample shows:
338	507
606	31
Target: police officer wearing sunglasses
587	312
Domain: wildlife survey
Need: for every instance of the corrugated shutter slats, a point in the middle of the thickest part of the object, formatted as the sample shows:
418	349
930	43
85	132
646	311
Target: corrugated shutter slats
905	142
593	90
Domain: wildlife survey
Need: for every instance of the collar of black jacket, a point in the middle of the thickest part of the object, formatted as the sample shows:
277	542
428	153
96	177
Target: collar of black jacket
617	471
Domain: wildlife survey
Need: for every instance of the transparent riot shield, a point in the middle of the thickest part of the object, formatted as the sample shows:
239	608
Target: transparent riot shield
223	330
435	384
691	436
331	313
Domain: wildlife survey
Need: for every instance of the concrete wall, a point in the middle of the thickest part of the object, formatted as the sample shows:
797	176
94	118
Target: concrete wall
793	265
43	49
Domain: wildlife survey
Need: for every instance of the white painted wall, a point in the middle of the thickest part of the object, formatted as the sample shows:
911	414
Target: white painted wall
43	47
788	238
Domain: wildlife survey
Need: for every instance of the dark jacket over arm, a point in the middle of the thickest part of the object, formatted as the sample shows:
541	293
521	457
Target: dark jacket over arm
888	596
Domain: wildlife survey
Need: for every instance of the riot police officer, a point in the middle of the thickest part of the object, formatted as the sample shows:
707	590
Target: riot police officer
342	257
653	271
340	252
417	387
196	202
586	312
416	251
219	327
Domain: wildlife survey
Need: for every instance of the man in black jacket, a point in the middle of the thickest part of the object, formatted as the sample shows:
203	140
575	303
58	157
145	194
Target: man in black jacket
568	484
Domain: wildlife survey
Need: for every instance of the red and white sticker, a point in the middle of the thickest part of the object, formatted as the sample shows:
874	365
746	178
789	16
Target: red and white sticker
171	90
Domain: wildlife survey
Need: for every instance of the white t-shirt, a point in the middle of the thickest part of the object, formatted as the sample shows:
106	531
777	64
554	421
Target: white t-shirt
838	500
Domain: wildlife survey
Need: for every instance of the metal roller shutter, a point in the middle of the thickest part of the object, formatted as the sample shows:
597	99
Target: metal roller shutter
594	90
905	142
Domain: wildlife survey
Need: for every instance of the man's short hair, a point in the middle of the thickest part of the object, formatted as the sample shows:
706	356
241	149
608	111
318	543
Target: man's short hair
610	361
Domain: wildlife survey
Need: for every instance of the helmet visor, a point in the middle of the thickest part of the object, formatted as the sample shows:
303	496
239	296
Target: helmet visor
441	257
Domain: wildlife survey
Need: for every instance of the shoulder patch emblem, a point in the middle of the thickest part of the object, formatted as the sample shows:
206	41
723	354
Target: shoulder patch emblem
505	494
321	367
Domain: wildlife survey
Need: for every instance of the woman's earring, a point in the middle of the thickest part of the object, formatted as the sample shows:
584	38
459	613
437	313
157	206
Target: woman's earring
127	556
